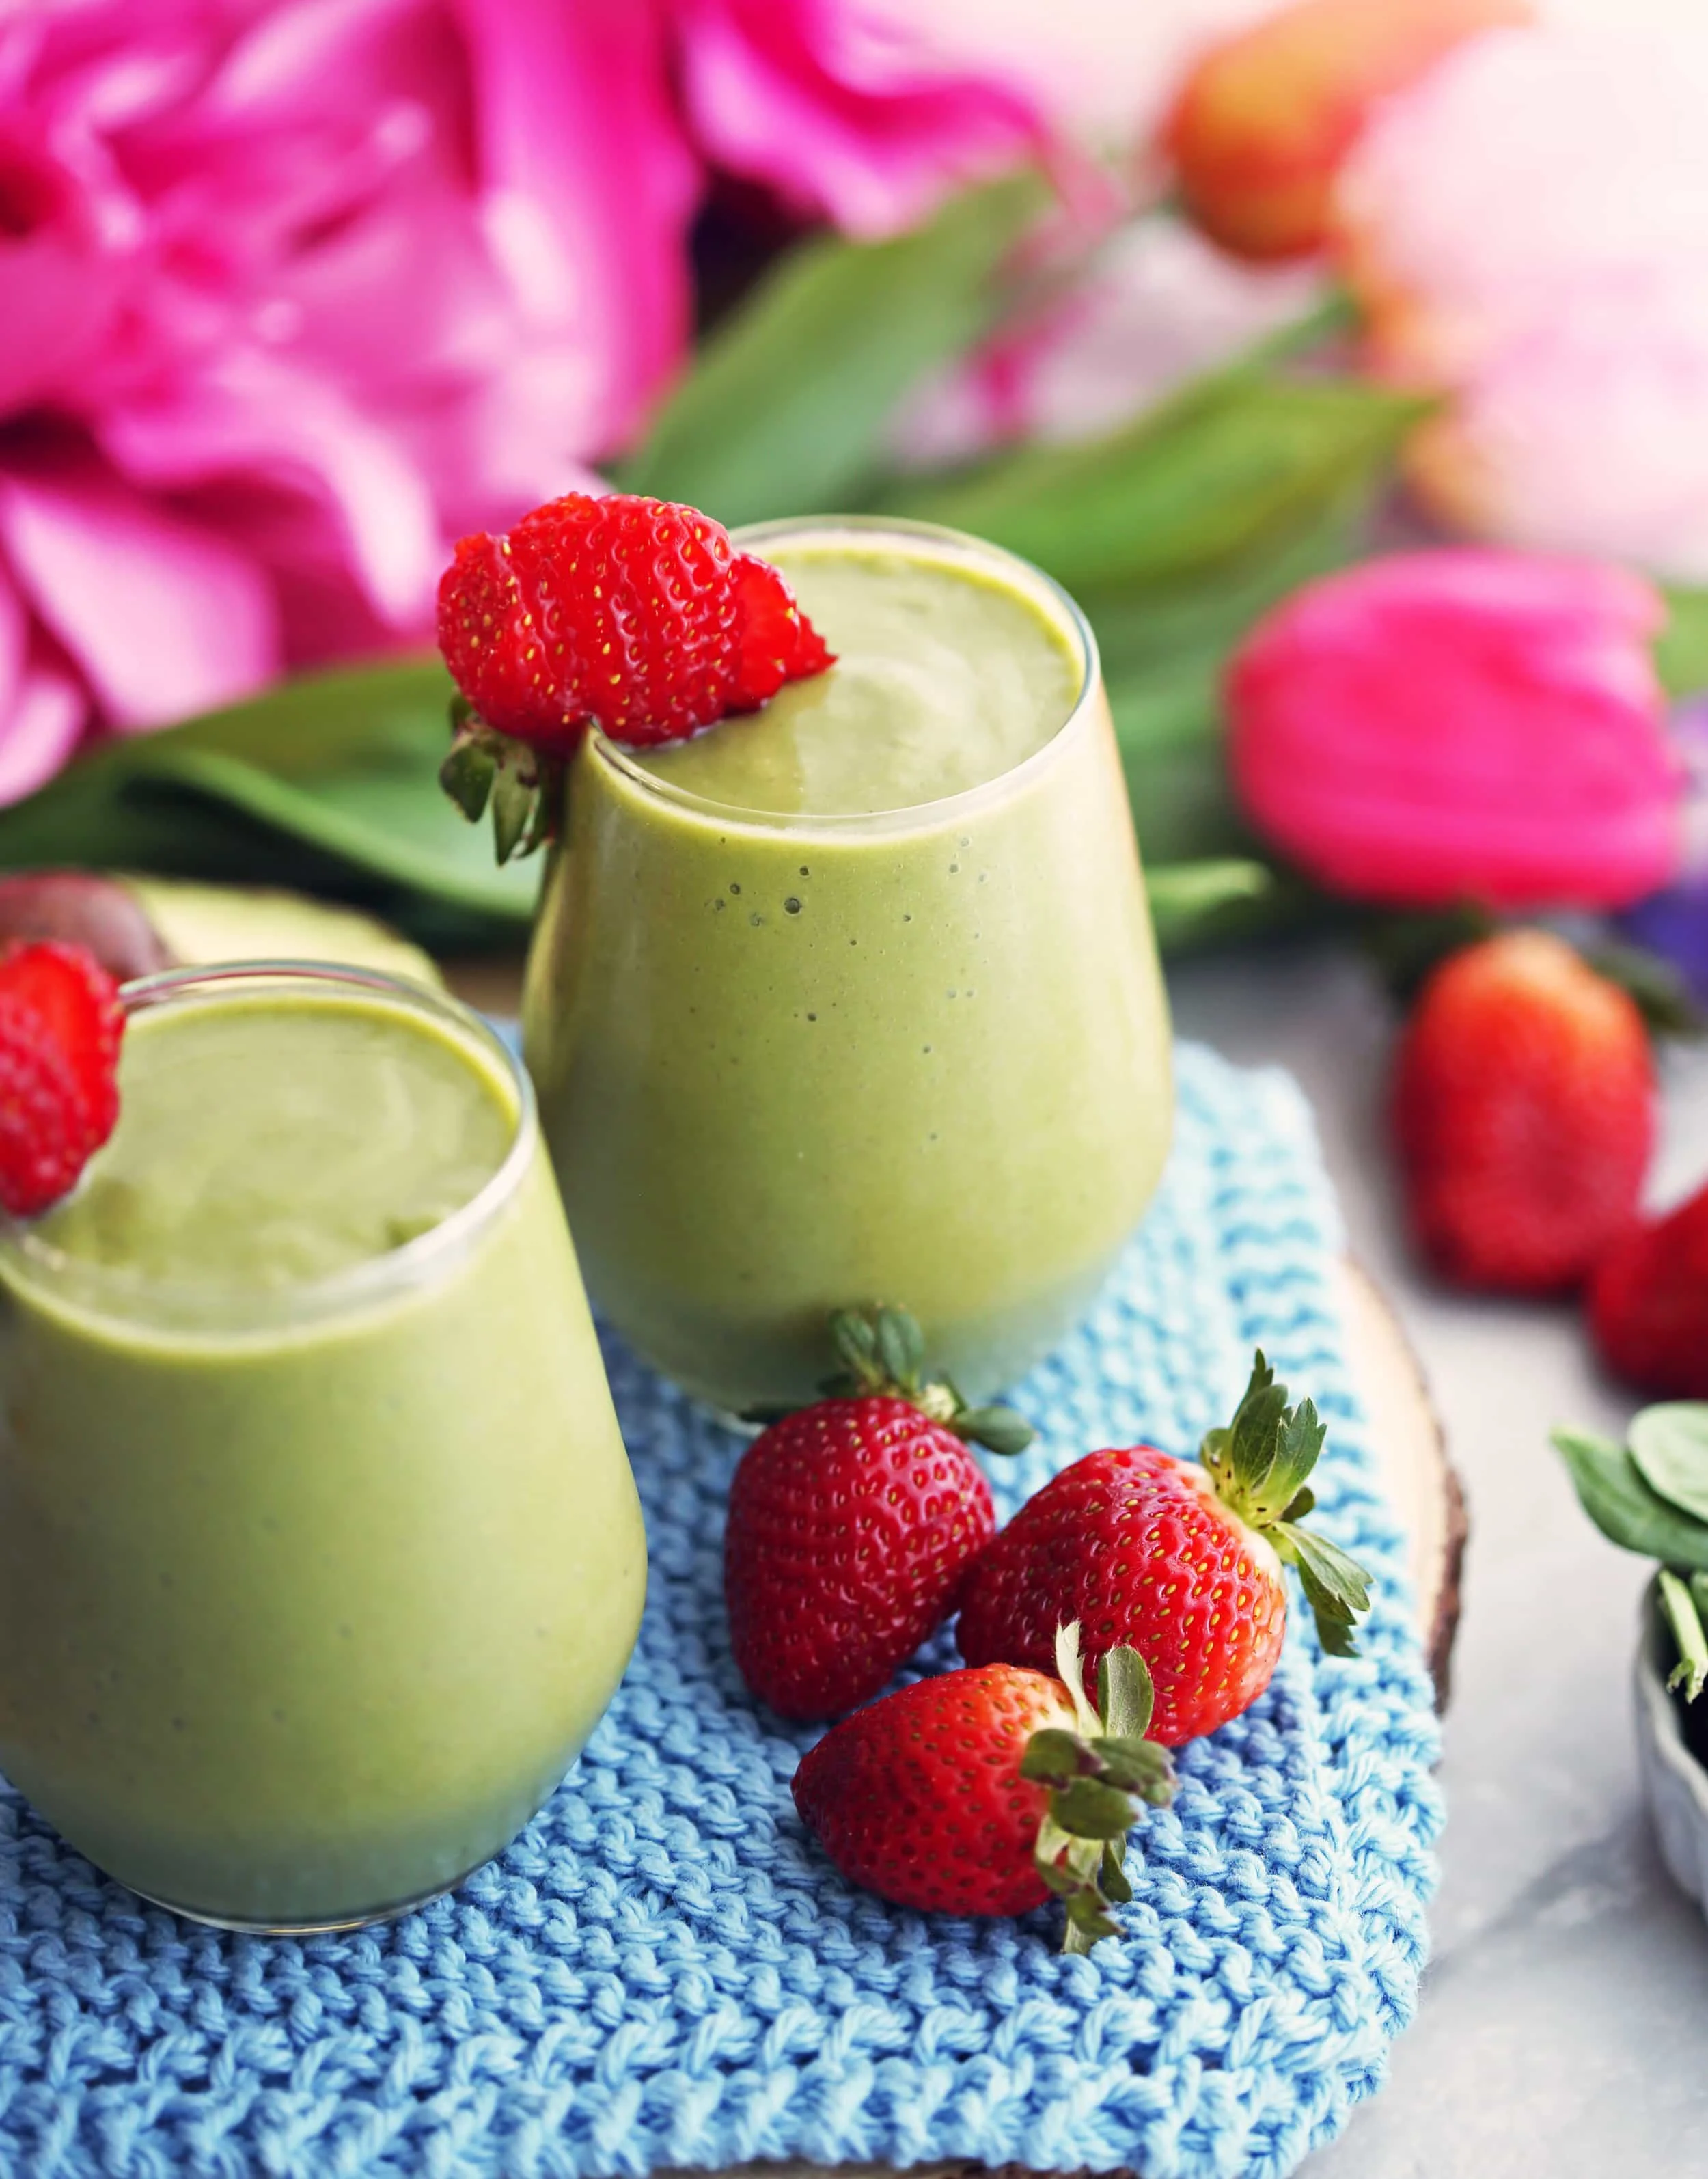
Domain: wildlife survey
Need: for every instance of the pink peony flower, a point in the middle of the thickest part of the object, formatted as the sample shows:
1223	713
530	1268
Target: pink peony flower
1526	228
1462	724
868	112
291	293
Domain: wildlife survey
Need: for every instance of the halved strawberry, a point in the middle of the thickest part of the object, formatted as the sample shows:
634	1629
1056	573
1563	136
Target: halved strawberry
61	1024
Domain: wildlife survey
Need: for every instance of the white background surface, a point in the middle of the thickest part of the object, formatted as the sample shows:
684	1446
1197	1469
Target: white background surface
1563	2032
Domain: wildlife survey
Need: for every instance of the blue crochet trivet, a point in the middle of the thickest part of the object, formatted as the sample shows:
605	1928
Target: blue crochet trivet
662	1971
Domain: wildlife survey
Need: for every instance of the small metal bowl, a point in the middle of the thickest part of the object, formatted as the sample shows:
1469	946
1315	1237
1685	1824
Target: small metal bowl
1674	1781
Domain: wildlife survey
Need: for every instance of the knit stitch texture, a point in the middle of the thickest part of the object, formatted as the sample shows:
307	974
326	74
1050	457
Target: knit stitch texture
663	1970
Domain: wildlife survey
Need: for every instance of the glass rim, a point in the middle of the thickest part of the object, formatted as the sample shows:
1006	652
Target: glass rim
208	1306
948	544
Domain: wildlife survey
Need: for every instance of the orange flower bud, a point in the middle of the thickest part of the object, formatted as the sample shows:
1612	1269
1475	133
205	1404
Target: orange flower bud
1259	131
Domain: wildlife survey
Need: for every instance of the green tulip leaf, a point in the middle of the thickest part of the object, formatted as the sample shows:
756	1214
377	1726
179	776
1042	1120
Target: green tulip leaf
327	783
1238	460
784	408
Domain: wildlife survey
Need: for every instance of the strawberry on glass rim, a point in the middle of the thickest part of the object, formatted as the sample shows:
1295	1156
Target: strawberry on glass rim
61	1024
634	615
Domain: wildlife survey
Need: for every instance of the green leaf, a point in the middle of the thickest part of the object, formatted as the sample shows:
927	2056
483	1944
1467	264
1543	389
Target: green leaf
1125	1696
1089	1809
1241	458
1187	899
1662	992
1336	1586
1681	650
1612	1492
467	773
1252	1437
328	782
1669	1447
1053	1756
855	1337
1679	1602
784	410
1136	1766
1114	1874
998	1430
1298	1442
901	1348
514	797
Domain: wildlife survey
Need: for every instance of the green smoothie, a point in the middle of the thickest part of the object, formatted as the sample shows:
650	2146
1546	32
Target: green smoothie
320	1556
946	677
856	999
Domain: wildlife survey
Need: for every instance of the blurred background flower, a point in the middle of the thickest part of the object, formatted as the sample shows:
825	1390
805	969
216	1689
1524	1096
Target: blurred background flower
294	292
1526	230
1433	727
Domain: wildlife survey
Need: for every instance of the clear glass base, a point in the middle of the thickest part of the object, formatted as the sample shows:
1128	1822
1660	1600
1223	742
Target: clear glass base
319	1929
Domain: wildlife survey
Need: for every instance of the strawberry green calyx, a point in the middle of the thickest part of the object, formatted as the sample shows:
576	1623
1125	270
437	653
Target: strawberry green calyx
883	1352
521	785
1260	1464
1098	1776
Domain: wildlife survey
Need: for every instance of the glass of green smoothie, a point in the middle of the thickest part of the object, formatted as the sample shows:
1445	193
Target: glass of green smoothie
855	998
319	1555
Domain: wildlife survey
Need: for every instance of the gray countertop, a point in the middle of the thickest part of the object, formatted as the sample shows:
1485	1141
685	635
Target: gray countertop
1563	2025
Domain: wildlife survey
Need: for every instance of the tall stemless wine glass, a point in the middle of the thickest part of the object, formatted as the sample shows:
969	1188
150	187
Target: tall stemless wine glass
788	1061
318	1561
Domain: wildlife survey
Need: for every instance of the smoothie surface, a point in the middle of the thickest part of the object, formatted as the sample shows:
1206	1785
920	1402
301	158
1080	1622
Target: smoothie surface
269	1142
946	677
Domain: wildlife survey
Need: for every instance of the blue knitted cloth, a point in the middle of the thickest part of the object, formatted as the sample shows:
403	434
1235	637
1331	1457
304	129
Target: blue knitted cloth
663	1971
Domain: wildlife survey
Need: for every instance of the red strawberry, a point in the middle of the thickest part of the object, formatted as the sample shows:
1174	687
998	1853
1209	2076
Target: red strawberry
1185	1563
633	613
1524	1108
1648	1302
60	1026
853	1522
983	1792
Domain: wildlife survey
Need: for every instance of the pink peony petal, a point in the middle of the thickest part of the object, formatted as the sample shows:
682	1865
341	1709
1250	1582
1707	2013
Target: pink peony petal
43	711
843	112
587	188
165	618
253	415
44	723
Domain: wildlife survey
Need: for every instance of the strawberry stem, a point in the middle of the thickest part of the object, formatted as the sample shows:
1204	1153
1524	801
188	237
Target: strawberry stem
520	785
1099	1776
883	1352
1260	1464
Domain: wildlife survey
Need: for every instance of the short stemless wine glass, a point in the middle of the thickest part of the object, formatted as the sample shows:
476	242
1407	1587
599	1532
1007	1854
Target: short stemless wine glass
788	1061
311	1585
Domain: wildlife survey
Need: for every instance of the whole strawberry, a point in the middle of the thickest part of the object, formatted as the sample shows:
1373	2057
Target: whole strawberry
635	615
852	1523
1523	1111
984	1792
60	1027
1184	1563
1648	1303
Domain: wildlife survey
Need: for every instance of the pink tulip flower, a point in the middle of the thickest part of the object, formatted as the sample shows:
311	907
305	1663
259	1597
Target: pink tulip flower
291	293
1458	725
